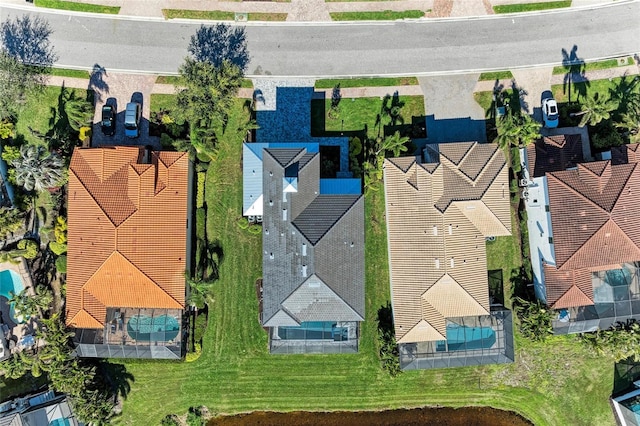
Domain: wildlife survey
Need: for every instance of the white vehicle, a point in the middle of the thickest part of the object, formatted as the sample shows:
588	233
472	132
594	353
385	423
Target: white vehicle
550	113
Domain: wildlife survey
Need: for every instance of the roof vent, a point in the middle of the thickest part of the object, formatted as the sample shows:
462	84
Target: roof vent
437	263
452	263
304	271
271	256
284	214
304	249
435	230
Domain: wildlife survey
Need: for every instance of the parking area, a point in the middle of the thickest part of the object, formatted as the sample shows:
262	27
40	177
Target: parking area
117	90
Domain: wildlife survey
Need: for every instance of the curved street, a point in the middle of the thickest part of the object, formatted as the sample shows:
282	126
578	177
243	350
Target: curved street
424	47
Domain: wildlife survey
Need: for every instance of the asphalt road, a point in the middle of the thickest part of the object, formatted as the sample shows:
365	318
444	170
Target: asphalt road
412	48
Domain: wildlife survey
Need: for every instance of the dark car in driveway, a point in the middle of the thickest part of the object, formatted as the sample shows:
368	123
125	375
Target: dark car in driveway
108	123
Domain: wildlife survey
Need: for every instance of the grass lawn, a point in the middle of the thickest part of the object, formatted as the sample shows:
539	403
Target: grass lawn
555	383
530	7
385	15
161	102
367	82
358	113
600	65
64	72
590	88
220	15
77	7
38	112
495	75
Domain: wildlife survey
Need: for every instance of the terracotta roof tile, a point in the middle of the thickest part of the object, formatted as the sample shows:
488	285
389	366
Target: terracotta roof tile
594	221
554	153
127	231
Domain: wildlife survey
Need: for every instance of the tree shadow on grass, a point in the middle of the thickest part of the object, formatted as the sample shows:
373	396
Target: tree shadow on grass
118	378
575	68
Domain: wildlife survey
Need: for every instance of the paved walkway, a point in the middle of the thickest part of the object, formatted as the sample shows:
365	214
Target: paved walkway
313	10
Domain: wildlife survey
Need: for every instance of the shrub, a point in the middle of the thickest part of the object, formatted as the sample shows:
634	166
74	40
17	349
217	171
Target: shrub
201	222
84	133
619	342
57	248
202	178
29	248
255	229
10	153
203	157
355	146
61	264
170	420
535	319
192	356
243	223
195	417
200	326
60	230
166	141
6	129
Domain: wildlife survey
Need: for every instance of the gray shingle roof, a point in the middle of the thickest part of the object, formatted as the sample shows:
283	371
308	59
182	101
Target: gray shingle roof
306	234
322	214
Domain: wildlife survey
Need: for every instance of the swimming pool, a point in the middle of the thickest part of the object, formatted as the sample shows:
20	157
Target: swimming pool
461	337
10	281
157	329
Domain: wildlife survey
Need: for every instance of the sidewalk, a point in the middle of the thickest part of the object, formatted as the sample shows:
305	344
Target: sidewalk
312	10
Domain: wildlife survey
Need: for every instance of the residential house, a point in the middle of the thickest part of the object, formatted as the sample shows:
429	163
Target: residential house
41	409
313	255
589	258
128	228
440	211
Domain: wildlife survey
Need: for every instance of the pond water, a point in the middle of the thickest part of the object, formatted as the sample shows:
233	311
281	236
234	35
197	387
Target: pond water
467	416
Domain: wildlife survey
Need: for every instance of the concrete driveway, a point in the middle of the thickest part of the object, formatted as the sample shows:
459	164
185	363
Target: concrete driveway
117	89
452	115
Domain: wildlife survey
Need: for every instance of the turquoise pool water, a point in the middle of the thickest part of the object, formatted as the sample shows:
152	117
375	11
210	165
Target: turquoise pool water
461	337
156	329
10	281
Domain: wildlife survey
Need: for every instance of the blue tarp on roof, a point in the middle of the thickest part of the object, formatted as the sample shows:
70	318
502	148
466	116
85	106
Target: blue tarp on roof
340	186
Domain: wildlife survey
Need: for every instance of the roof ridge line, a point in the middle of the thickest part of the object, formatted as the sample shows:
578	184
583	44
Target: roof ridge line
336	293
334	223
572	189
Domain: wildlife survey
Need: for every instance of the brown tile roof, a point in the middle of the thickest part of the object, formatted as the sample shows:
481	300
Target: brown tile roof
127	232
438	215
554	153
594	221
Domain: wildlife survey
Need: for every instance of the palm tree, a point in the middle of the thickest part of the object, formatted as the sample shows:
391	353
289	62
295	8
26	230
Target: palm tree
199	293
79	112
595	109
37	169
515	131
395	143
630	124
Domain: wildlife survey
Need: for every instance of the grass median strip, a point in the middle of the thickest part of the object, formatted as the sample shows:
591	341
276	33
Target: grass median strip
385	15
367	82
495	75
599	65
530	7
65	72
220	15
77	7
246	83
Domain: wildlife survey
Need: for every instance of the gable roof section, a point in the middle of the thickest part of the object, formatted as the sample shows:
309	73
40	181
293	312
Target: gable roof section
315	301
127	232
322	214
437	215
594	225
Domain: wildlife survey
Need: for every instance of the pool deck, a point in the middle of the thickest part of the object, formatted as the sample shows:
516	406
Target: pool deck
18	331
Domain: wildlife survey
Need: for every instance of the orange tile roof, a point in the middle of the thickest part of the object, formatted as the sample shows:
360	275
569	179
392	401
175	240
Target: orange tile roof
127	232
594	220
